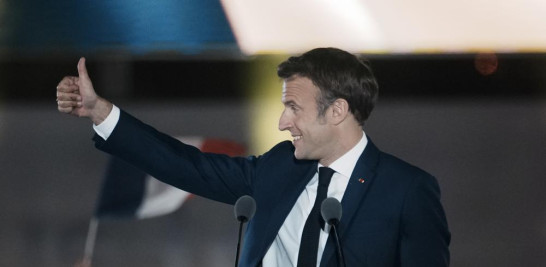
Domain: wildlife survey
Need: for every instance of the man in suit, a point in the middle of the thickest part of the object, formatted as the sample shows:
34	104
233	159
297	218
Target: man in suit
392	214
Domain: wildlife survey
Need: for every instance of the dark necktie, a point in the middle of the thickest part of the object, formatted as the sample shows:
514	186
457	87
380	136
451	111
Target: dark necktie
307	256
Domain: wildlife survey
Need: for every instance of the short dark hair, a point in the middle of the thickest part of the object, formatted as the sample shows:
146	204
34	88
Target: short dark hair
338	74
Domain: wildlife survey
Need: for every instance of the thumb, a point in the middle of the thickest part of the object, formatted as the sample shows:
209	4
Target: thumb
82	70
84	82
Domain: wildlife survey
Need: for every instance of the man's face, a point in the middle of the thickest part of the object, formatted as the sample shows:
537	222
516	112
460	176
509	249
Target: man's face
312	136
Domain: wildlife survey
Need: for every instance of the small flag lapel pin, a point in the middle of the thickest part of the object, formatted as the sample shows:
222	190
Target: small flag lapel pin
361	180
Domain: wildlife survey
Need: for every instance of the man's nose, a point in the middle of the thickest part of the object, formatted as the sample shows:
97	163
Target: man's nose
284	122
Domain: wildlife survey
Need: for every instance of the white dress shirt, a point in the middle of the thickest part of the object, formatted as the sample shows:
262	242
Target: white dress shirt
285	248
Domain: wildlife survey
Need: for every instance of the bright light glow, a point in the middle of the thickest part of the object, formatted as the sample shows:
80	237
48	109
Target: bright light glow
388	26
265	106
294	26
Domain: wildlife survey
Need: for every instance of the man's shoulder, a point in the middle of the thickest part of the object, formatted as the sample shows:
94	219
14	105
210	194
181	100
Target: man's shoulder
283	148
393	163
400	174
283	152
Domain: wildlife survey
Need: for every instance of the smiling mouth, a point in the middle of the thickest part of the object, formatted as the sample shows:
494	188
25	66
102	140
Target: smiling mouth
296	138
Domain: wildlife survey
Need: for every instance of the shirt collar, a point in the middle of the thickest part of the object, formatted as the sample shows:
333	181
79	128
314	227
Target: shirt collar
346	163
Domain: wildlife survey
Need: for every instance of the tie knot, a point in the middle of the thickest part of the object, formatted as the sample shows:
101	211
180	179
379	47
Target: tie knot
325	175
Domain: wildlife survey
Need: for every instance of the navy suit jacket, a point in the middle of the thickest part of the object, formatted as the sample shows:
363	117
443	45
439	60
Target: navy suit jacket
392	215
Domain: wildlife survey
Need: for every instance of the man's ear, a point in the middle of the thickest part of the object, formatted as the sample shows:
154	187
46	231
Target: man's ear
339	111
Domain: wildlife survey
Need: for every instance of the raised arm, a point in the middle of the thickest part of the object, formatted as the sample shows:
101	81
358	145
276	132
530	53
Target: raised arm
76	96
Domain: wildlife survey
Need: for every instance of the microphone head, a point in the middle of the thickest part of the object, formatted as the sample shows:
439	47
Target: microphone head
245	207
331	210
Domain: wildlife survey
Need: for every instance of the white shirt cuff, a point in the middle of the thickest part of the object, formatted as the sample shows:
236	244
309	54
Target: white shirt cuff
105	128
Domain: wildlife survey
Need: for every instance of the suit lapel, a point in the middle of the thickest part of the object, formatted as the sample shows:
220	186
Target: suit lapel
291	196
361	179
292	189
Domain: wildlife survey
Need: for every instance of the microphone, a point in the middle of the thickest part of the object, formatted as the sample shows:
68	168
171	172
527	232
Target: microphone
245	207
330	209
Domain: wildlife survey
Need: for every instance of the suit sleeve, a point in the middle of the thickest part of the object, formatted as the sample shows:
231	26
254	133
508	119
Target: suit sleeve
424	235
218	177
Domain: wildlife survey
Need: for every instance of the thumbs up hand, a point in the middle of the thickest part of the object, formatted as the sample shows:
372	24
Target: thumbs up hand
76	96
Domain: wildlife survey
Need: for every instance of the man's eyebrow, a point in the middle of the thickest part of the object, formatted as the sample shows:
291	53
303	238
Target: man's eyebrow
290	102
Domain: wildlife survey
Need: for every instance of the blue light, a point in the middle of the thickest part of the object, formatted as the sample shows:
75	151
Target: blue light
137	26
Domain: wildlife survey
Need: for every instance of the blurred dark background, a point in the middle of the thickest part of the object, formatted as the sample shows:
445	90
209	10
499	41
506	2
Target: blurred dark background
477	121
441	76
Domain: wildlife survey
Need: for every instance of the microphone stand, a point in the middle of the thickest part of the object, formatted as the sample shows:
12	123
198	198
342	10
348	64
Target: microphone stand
242	221
340	256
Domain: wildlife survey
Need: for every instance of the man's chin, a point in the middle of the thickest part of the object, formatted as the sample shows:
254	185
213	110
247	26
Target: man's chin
301	156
